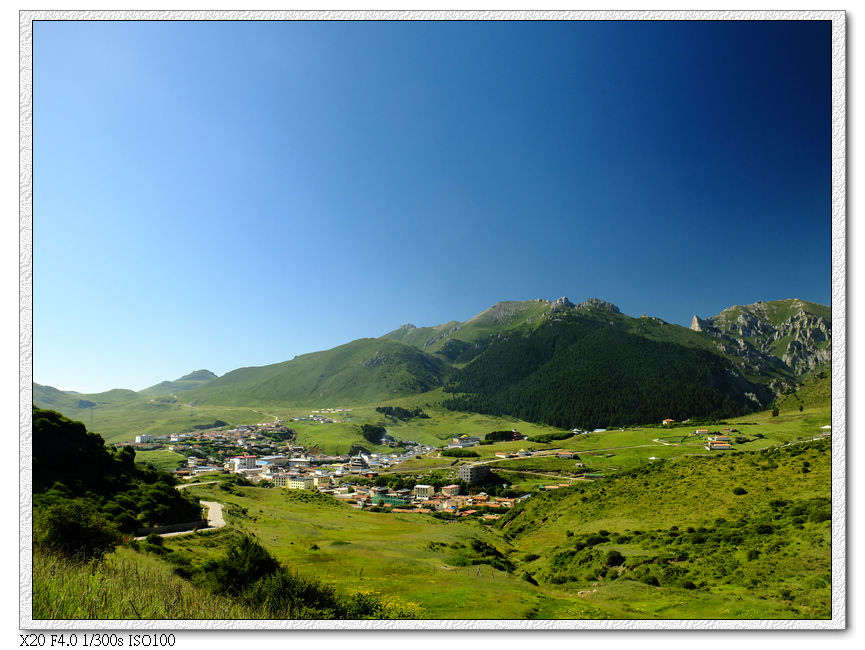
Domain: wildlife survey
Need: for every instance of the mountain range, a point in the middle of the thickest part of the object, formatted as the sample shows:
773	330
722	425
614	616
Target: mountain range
553	362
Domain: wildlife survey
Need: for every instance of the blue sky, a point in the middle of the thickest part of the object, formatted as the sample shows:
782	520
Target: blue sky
216	195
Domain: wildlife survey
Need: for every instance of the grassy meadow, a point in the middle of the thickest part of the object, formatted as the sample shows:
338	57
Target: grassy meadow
672	531
161	459
386	552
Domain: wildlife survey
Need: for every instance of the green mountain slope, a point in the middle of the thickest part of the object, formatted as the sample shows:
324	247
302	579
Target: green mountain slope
660	540
591	366
549	362
363	371
453	337
50	397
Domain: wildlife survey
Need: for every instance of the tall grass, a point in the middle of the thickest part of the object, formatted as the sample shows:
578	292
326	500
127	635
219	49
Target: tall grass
128	585
122	586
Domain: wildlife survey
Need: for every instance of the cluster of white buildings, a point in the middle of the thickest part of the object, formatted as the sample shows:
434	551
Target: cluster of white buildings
299	470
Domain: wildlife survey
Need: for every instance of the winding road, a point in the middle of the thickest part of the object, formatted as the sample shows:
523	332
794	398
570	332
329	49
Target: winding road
214	514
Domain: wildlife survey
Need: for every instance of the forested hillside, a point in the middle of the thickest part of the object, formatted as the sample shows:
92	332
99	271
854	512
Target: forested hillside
82	488
580	371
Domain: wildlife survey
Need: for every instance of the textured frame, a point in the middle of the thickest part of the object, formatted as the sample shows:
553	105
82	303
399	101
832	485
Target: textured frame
838	306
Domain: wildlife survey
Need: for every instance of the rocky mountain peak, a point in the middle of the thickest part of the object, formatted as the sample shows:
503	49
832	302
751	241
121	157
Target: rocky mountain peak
700	325
760	333
599	304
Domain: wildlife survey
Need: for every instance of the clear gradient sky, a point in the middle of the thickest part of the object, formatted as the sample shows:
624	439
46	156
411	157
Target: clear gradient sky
216	195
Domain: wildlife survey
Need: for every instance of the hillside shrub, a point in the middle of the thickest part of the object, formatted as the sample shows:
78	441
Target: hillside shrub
614	558
74	529
549	437
245	562
251	576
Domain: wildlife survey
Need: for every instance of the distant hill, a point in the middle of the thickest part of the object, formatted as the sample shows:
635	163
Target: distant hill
65	401
187	382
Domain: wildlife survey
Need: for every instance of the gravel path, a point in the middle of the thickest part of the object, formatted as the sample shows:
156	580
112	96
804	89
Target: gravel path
214	514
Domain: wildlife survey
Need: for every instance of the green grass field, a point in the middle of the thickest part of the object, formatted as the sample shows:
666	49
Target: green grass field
161	459
411	556
388	553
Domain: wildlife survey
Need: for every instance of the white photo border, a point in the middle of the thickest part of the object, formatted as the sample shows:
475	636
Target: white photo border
838	306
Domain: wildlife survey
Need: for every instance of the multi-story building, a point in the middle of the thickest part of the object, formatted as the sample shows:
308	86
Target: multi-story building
280	480
424	491
144	439
473	473
451	490
300	483
242	462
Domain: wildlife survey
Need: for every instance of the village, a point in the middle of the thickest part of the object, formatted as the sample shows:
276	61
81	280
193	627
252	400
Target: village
271	458
266	454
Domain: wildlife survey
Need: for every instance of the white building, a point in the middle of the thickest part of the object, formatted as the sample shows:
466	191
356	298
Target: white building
300	483
424	491
239	463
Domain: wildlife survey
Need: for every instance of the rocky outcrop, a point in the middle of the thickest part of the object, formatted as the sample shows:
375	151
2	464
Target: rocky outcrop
597	303
700	325
761	334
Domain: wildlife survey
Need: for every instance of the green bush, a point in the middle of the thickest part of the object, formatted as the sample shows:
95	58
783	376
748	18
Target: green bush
245	562
614	558
75	529
154	539
528	578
